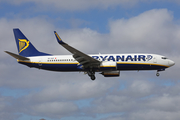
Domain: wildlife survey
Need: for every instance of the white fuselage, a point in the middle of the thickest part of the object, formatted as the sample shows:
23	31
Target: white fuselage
108	61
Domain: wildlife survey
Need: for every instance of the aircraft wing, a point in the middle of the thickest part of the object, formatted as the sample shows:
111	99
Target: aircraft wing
82	58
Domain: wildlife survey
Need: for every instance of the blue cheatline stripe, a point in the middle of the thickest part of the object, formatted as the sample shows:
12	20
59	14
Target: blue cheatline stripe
150	64
140	66
73	66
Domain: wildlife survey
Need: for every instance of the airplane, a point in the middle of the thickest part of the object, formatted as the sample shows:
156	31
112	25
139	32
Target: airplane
109	65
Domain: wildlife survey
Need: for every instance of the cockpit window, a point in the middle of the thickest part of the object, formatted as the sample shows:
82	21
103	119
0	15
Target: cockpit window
164	58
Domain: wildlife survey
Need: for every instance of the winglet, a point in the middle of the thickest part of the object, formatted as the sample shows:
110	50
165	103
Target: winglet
58	38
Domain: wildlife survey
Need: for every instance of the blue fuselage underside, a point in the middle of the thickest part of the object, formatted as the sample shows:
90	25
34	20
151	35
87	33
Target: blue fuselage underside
74	67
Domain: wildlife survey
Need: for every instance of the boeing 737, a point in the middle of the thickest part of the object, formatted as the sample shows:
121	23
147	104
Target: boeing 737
109	65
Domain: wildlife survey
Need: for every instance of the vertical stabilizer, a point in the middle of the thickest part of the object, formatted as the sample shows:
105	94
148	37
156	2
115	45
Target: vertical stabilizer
24	46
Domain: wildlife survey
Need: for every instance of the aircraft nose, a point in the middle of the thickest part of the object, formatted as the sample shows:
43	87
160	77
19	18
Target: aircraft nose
171	63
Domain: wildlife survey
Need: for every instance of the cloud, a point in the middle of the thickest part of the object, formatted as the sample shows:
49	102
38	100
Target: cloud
123	100
42	28
6	109
165	102
79	90
54	109
79	5
144	32
141	97
160	104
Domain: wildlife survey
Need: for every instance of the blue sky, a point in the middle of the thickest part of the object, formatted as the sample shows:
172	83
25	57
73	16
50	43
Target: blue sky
94	18
124	26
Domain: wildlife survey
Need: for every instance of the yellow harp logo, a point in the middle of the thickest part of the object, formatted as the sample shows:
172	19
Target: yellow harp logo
23	44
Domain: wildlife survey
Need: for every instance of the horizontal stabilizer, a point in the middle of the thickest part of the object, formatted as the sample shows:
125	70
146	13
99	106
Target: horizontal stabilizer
17	56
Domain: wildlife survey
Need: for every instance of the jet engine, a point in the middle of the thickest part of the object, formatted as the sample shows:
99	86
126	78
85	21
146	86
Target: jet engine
111	73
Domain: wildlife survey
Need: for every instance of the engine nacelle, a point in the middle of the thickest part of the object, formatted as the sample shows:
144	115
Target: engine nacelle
106	65
111	73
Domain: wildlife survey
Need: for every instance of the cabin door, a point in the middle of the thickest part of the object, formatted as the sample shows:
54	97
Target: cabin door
155	60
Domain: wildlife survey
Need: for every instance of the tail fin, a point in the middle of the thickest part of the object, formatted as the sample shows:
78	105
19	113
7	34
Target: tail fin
24	46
